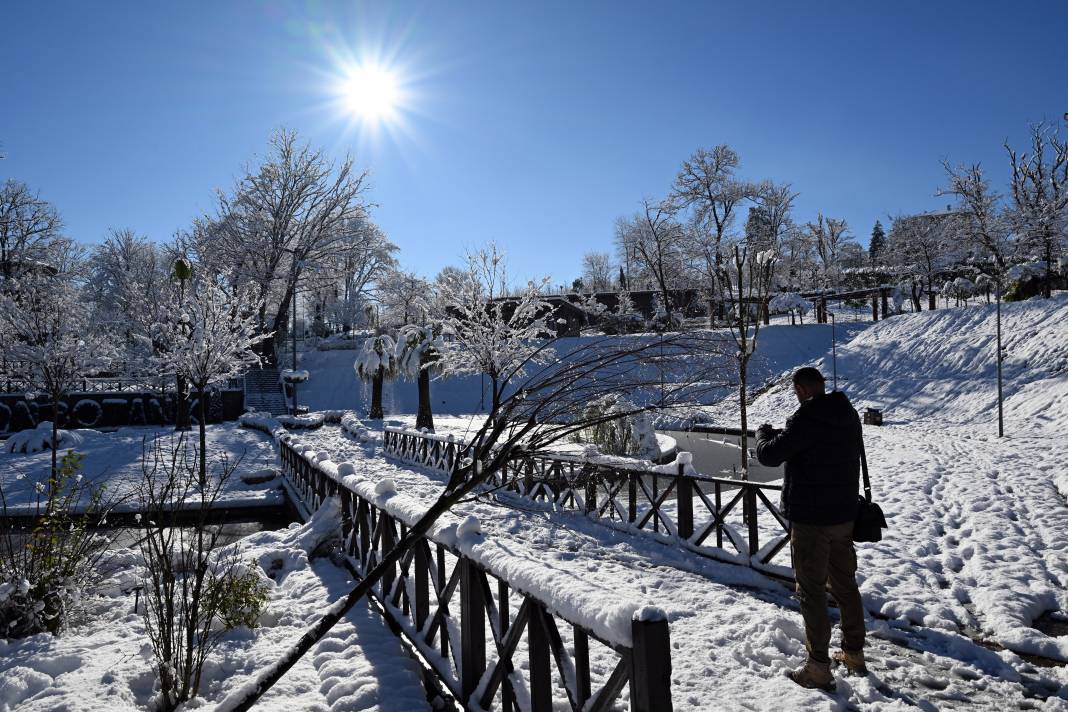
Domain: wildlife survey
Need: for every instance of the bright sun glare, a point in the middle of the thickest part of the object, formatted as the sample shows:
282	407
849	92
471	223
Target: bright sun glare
371	93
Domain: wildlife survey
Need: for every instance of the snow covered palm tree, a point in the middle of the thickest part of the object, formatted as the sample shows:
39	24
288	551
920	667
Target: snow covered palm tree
418	350
376	363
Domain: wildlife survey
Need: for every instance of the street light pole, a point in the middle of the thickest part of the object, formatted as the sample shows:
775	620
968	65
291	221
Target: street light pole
834	351
1001	416
294	384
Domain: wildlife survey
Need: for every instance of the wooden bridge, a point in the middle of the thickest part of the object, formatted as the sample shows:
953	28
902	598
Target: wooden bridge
469	623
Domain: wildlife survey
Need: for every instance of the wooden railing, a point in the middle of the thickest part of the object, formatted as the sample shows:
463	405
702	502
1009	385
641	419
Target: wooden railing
678	506
442	600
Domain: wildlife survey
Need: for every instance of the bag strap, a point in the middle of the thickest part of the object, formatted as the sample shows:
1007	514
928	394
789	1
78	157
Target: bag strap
864	469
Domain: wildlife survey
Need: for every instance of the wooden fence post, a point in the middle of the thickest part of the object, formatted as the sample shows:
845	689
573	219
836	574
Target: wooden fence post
472	629
421	562
387	542
632	497
541	681
684	494
650	675
749	499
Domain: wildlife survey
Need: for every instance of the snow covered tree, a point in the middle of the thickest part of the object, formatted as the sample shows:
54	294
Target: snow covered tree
877	244
46	325
921	247
403	296
746	277
829	236
294	212
1039	192
129	286
791	302
30	229
377	363
707	186
487	332
597	271
977	218
418	351
655	242
208	336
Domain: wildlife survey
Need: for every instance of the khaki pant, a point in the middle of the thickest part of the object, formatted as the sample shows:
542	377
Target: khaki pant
822	555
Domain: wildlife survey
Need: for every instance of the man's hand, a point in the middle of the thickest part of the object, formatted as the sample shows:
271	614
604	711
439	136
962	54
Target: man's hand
766	431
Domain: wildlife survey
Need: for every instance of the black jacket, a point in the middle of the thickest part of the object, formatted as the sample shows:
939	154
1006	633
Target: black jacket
821	448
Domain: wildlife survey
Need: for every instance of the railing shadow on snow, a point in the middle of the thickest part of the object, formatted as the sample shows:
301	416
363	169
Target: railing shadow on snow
441	600
672	503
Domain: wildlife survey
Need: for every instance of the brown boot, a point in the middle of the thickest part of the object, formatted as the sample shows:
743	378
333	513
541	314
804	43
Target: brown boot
853	660
813	675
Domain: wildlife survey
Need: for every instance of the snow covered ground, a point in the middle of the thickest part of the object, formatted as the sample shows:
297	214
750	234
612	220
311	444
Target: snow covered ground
105	662
733	631
115	459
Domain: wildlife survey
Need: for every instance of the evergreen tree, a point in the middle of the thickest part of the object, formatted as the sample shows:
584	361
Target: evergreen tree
877	244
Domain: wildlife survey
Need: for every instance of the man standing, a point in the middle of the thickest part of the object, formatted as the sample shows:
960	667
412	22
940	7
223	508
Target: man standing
821	446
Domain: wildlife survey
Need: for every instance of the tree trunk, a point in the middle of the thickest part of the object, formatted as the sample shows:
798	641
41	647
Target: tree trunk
1047	287
425	417
376	395
181	405
932	298
742	368
55	435
202	426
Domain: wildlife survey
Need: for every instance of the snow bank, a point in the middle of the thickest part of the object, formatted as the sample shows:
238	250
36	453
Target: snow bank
288	375
40	438
940	366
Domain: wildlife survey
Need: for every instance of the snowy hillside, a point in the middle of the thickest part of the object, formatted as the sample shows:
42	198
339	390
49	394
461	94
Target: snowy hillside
978	536
333	384
940	366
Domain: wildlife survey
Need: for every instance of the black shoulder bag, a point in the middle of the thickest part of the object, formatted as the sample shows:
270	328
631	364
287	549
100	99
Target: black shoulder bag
870	521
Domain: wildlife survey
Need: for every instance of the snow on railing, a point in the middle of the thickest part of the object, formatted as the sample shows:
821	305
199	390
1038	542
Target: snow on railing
671	502
440	597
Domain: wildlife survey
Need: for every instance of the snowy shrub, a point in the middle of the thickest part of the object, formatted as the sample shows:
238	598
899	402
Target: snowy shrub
239	598
22	417
195	590
288	375
629	435
87	412
40	439
788	301
46	569
155	411
137	412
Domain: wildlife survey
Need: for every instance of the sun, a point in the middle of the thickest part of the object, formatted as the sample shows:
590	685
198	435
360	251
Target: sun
371	93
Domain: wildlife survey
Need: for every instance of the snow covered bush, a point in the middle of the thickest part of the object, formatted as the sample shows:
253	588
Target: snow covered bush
288	375
46	568
628	435
40	439
195	590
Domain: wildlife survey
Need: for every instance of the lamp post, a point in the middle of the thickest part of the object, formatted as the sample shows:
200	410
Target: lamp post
294	383
834	351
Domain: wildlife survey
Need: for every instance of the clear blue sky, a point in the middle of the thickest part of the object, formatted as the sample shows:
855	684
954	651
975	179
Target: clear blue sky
534	123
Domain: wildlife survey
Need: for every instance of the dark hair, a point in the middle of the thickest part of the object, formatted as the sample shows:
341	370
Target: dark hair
808	376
